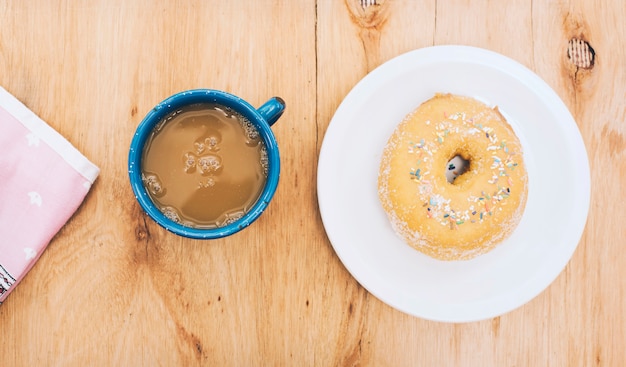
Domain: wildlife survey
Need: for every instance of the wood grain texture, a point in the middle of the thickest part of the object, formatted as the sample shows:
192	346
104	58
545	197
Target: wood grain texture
113	288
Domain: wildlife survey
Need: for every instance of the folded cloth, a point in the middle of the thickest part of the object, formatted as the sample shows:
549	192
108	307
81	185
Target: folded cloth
43	180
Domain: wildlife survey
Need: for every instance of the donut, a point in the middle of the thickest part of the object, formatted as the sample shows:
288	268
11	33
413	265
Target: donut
470	214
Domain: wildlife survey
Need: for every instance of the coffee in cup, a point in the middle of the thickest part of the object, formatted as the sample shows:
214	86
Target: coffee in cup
204	163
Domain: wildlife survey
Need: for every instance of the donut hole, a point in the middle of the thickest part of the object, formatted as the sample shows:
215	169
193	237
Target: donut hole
456	166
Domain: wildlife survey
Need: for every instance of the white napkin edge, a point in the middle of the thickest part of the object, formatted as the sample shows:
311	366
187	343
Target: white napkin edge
50	136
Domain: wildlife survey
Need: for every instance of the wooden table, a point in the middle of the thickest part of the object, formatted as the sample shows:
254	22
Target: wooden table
114	289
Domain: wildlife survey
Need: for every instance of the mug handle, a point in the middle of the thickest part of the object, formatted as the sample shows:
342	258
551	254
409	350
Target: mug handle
272	110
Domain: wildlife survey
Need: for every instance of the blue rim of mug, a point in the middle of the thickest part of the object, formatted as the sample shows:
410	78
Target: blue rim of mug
170	105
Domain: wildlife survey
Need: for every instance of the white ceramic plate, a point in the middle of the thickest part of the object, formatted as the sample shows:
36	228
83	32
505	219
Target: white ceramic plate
459	291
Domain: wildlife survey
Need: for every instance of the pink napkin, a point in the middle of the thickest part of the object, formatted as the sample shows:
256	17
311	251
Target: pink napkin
43	180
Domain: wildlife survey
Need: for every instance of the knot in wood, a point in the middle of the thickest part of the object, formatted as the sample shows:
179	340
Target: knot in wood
366	3
580	53
368	13
141	233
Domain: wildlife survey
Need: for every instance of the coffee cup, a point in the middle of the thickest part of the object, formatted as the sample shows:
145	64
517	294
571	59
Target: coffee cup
204	163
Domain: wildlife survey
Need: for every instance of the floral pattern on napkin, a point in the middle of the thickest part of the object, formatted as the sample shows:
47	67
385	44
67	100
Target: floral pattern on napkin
43	180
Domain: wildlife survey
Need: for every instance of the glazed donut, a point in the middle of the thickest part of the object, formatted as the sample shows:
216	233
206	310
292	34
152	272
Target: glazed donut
481	207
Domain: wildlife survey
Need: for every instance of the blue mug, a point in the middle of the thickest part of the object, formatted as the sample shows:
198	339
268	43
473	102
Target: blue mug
262	118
